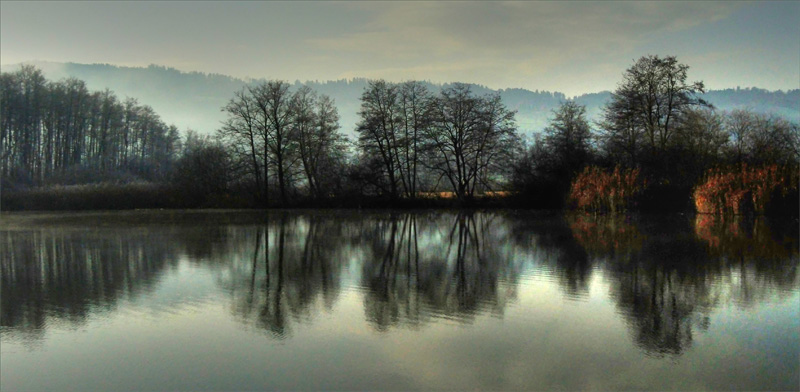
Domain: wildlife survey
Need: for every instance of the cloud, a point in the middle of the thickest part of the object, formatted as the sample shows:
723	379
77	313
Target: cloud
571	47
533	38
500	28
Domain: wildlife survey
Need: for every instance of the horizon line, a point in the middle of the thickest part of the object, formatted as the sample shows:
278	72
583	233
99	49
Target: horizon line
250	79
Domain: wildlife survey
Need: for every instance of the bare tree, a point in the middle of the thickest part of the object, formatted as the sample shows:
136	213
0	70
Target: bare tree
240	131
469	139
275	118
415	116
305	130
319	143
649	105
702	137
378	132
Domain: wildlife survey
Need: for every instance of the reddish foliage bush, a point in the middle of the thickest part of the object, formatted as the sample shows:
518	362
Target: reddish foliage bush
743	190
596	189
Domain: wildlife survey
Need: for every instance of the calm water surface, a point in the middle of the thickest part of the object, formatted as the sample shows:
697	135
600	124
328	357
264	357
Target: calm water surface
498	300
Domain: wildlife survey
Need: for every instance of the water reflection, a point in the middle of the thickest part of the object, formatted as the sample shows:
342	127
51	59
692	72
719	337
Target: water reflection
441	265
553	245
55	276
411	267
665	276
391	272
289	271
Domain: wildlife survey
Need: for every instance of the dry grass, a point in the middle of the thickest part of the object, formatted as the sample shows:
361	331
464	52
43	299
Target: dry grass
744	190
599	190
103	196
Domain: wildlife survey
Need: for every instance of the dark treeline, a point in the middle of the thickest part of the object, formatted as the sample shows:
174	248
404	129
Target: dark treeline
62	132
282	145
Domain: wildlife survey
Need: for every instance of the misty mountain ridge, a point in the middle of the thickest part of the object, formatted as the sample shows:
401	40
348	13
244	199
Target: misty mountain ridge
193	100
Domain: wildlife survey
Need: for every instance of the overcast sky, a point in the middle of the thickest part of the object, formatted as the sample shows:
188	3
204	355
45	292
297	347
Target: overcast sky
573	47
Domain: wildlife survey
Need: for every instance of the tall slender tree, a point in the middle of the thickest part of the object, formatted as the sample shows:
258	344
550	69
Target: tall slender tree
275	117
241	132
378	132
568	138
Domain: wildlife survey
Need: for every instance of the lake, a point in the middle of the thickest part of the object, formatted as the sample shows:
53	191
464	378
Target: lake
366	300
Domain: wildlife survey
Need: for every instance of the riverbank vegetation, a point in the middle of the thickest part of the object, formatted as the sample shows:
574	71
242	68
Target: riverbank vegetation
657	147
747	190
597	190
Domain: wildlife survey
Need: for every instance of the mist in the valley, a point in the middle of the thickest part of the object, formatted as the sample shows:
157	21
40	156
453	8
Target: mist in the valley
193	100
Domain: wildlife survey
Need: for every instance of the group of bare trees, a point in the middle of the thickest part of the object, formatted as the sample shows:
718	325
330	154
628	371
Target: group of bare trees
283	143
410	139
57	129
284	137
393	119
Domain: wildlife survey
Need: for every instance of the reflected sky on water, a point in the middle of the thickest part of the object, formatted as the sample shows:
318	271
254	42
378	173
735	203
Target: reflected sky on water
397	300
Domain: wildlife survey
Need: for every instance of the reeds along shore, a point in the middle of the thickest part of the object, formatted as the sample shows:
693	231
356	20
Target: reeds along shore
745	190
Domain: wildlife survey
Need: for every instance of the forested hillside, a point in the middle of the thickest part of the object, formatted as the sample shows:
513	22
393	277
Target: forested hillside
194	100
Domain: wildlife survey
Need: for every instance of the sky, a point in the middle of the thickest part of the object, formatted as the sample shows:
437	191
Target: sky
572	47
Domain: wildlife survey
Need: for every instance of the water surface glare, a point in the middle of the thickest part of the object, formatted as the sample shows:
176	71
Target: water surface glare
321	300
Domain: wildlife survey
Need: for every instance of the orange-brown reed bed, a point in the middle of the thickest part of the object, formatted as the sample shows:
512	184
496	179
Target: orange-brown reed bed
599	190
744	190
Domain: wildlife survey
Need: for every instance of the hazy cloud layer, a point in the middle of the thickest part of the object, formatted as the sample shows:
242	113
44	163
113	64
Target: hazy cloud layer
573	47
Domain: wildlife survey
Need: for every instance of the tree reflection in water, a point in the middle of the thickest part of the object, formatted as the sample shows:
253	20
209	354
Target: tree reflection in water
555	250
451	268
391	272
296	275
758	257
454	266
665	275
52	277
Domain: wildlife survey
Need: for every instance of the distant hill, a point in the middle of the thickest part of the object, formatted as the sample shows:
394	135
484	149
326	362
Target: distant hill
193	99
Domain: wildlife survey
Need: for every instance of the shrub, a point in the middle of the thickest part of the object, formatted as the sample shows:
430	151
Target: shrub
744	190
598	190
